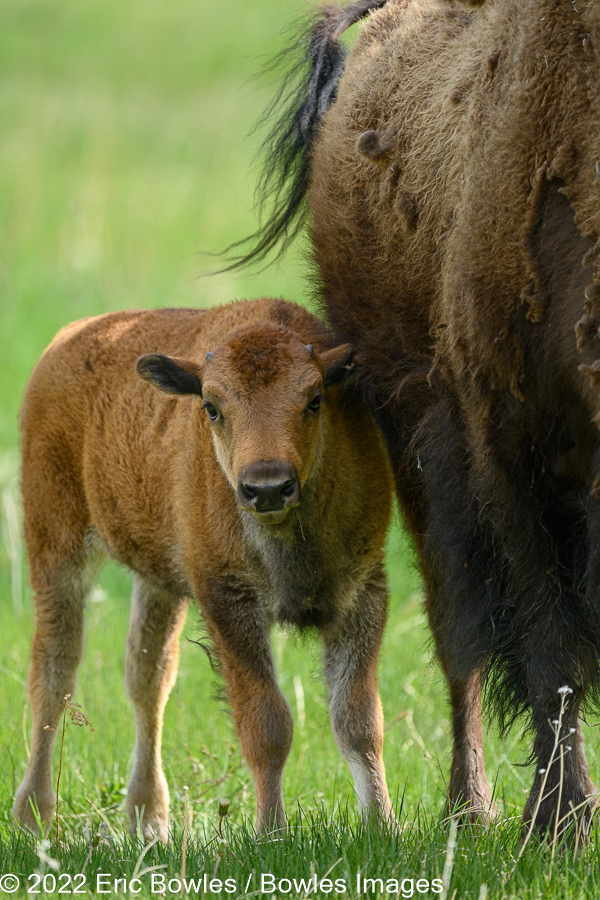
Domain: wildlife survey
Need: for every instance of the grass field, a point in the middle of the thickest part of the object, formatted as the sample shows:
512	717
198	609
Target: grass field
124	155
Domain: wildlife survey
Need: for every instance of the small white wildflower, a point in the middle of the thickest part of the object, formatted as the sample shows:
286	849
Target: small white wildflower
542	771
565	689
572	730
568	747
555	722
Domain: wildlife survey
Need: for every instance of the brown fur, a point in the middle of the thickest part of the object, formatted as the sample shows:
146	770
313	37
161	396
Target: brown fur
111	465
465	272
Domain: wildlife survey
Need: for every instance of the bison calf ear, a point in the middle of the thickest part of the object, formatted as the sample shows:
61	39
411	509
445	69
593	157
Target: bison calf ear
338	365
175	376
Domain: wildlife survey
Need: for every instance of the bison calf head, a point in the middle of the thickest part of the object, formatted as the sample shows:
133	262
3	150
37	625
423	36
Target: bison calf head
265	395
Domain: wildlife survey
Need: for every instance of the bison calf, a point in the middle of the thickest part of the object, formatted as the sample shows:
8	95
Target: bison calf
233	467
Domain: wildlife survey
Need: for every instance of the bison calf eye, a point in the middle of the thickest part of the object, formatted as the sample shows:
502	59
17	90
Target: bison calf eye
315	403
213	412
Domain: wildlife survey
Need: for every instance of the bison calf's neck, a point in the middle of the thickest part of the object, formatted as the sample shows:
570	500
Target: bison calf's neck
221	455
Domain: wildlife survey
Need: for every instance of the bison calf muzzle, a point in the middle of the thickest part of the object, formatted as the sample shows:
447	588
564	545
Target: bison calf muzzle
269	488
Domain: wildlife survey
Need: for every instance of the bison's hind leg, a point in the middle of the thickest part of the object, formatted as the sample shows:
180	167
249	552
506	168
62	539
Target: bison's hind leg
155	623
469	791
61	584
563	795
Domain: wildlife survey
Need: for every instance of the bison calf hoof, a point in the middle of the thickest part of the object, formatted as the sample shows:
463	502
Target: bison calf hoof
383	819
149	828
148	811
271	828
33	811
149	831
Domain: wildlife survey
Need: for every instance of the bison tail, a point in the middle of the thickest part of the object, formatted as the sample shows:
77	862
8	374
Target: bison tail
312	67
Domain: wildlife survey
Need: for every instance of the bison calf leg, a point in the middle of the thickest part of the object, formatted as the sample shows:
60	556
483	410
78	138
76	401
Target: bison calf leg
261	714
55	656
264	724
354	706
469	790
150	670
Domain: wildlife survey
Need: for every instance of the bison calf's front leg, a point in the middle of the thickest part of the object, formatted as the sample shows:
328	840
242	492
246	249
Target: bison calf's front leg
261	713
150	671
354	706
264	723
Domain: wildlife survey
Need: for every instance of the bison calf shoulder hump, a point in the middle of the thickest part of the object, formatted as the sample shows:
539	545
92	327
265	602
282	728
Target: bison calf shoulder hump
221	456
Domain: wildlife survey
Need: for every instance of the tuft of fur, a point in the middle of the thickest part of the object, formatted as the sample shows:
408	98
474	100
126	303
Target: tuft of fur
261	355
375	146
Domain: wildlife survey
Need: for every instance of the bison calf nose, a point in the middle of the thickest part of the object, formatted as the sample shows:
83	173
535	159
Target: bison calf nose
268	486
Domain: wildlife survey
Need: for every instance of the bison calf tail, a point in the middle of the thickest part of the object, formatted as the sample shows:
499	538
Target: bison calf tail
312	65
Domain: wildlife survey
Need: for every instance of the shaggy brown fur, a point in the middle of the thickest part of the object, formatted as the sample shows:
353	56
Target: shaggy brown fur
252	480
455	216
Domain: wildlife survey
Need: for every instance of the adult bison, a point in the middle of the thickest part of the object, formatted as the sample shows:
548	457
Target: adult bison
452	168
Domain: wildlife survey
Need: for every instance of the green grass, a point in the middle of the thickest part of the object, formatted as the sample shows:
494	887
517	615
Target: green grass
124	154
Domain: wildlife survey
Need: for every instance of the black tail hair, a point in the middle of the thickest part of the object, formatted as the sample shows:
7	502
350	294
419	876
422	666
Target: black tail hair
314	63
